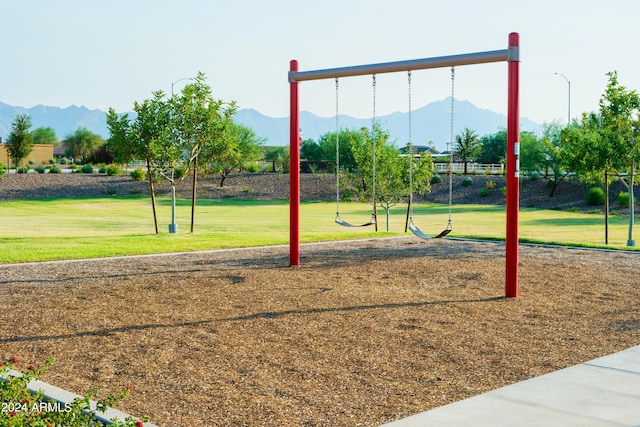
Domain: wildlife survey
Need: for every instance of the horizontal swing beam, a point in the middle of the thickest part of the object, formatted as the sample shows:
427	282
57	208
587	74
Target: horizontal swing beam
409	65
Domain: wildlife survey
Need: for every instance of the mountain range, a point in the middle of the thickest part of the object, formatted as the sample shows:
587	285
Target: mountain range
429	123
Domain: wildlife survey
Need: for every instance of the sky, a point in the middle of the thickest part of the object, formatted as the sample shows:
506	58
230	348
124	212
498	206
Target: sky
102	54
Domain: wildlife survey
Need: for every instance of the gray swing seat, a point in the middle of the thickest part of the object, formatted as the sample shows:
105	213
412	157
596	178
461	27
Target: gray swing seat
415	230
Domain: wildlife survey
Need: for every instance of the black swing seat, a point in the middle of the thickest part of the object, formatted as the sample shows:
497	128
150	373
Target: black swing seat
344	223
415	230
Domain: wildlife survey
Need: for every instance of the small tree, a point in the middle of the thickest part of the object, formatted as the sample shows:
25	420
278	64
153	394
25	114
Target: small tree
44	135
241	145
467	146
391	174
20	140
82	143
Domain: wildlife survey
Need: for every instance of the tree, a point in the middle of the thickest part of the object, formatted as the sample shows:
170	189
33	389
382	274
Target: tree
467	147
127	143
494	148
44	135
82	143
553	161
243	146
199	123
20	140
607	142
311	150
345	139
391	174
532	152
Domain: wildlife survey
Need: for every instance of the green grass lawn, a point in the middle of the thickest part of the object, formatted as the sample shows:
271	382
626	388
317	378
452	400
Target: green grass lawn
36	230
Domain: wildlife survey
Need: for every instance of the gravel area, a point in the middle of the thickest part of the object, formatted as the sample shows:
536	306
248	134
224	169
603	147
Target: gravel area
361	334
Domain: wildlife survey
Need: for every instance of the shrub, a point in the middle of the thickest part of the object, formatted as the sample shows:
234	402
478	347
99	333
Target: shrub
23	169
138	175
55	169
40	169
86	169
65	161
436	179
595	196
490	185
483	192
623	199
467	181
23	408
114	170
535	175
253	167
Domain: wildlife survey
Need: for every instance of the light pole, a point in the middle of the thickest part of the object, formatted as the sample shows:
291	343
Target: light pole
173	227
179	80
569	97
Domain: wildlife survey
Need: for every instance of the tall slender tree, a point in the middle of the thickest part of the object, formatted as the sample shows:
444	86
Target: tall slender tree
20	140
467	146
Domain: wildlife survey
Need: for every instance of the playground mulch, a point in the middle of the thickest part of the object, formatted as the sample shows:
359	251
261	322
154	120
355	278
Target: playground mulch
362	333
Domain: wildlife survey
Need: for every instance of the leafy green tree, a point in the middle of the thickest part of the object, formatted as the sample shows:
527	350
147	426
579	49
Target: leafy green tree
82	143
142	139
391	175
44	135
467	146
494	147
243	146
553	159
532	152
607	142
345	139
20	140
199	122
311	150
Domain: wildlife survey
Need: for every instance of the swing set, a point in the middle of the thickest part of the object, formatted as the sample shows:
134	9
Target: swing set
511	55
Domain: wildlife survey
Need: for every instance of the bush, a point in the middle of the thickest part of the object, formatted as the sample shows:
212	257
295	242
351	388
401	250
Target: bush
55	169
86	169
25	409
114	170
595	196
623	199
40	169
483	192
535	175
490	185
138	175
253	167
23	169
467	181
436	179
3	169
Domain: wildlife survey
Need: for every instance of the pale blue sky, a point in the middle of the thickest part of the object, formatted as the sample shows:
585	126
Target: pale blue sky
103	54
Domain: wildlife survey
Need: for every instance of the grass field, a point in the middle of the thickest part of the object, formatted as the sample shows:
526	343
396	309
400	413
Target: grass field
36	230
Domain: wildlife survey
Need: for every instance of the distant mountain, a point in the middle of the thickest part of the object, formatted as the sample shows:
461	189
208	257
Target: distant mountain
64	121
429	123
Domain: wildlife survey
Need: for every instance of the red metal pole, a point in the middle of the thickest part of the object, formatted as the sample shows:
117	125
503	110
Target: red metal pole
513	167
294	171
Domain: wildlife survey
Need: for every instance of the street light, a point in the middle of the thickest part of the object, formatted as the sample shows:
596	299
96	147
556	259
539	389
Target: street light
179	80
173	227
569	98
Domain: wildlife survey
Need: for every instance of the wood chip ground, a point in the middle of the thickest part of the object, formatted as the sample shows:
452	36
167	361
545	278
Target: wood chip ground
361	334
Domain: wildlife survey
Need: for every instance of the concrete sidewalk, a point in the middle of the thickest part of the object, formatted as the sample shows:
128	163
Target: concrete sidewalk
601	392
